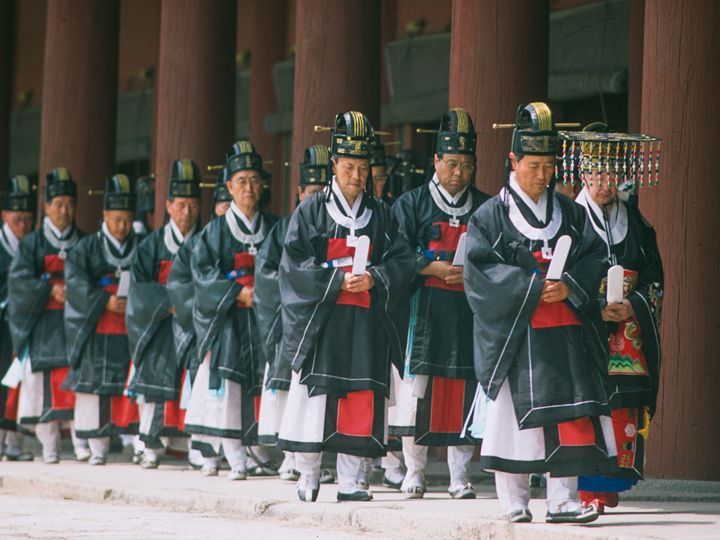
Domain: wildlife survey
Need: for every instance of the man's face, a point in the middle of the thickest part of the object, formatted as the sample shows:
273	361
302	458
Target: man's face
305	192
454	171
533	173
184	211
119	223
222	207
245	188
20	223
61	211
379	178
351	175
601	188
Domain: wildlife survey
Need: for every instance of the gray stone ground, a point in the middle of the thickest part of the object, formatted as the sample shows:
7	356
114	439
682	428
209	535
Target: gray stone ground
120	500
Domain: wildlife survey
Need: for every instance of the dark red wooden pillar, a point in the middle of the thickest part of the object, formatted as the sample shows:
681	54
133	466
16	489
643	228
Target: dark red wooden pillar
195	92
498	60
268	45
337	68
6	45
680	104
79	98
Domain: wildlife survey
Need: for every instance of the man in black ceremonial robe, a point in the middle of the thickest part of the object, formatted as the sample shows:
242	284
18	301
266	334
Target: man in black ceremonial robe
37	301
97	275
18	218
432	218
158	375
540	352
342	327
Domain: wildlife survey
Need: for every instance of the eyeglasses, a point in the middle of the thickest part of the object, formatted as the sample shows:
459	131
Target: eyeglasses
464	167
243	182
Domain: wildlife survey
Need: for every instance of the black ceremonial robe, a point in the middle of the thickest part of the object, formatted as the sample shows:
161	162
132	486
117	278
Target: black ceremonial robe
8	396
182	294
342	343
266	298
97	339
551	355
36	319
223	262
442	340
158	373
634	344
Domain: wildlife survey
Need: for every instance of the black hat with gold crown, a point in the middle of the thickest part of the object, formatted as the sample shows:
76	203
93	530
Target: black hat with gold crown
352	136
145	194
534	133
59	182
456	134
221	192
315	167
242	157
20	195
407	173
377	152
119	193
185	179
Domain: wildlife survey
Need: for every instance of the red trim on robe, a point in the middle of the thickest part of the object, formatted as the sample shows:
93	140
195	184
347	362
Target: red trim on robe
54	265
59	398
163	272
355	414
11	403
256	402
554	314
447	405
579	432
111	323
174	414
244	261
448	241
123	412
338	249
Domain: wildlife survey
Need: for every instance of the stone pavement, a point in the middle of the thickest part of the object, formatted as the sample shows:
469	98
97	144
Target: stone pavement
670	510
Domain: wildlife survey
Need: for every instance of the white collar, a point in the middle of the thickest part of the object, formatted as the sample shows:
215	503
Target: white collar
617	218
12	240
453	199
251	239
60	235
180	235
249	223
350	220
351	212
520	223
114	241
538	208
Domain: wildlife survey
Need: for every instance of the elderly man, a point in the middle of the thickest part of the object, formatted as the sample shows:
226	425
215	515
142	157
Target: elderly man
225	397
343	288
37	301
539	354
633	320
97	273
158	376
18	217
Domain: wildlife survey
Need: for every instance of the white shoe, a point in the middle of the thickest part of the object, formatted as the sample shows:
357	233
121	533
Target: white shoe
414	492
82	454
237	475
97	460
463	492
51	459
148	463
209	470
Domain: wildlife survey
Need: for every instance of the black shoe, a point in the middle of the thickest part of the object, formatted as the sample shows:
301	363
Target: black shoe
521	515
310	496
359	495
389	483
22	456
581	515
327	477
